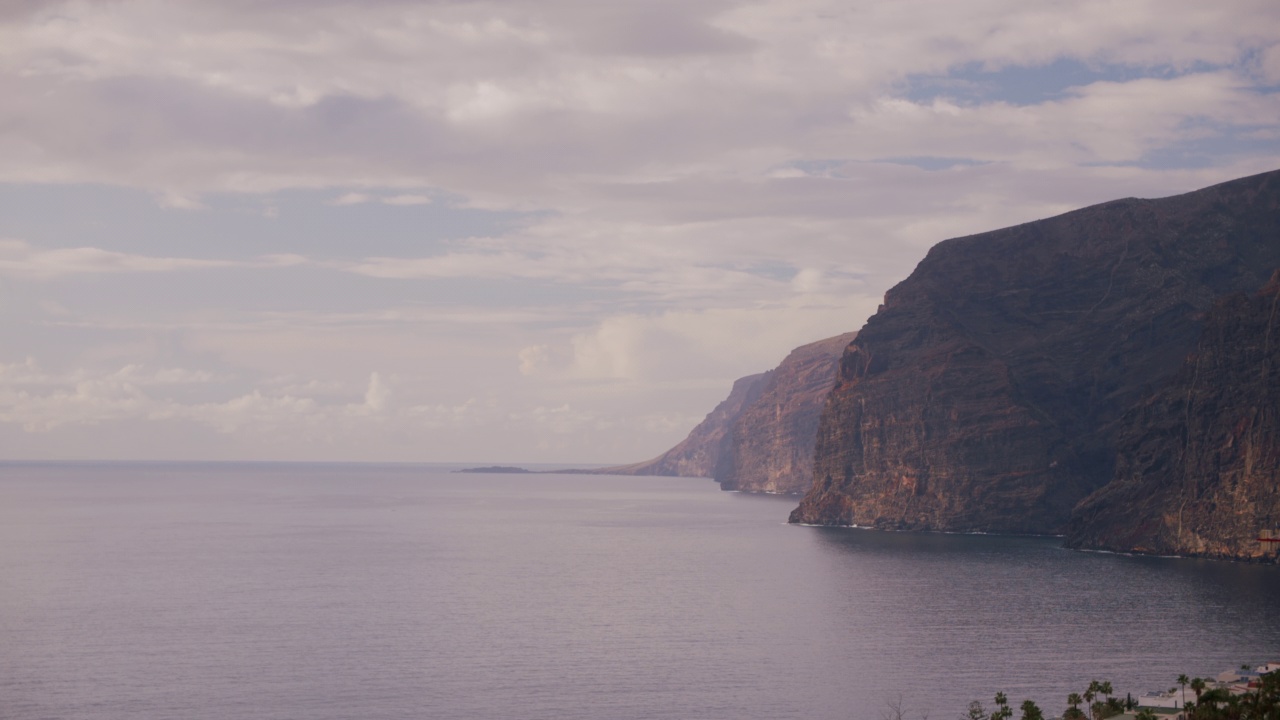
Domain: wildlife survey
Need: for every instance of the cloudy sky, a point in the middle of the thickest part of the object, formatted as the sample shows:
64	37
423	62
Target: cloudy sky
538	230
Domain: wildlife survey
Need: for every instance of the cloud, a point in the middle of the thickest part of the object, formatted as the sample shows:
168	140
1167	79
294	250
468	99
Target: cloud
353	198
407	200
699	188
179	201
515	103
1270	65
688	345
532	359
30	373
360	198
21	259
378	394
43	402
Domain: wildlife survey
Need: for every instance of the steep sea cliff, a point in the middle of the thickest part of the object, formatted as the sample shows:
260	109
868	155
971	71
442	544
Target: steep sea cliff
986	393
760	438
700	453
1198	467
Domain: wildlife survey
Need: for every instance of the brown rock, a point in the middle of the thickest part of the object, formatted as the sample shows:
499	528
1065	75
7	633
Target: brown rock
771	442
761	438
698	455
981	396
1198	470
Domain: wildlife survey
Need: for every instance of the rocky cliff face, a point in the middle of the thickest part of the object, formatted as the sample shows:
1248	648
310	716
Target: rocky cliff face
699	454
1198	465
770	446
982	396
761	438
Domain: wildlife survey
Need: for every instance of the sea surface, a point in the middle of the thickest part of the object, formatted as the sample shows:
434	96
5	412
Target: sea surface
322	591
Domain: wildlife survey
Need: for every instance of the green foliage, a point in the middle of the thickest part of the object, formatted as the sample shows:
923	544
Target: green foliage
1002	711
1073	711
1108	708
1260	704
1098	699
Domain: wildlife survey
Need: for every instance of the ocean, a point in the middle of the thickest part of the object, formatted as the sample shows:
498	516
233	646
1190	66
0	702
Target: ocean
222	591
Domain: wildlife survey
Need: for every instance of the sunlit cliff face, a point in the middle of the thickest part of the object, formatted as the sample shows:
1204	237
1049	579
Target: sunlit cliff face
537	231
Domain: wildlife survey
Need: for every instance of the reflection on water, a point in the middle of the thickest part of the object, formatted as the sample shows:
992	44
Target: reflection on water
328	591
1040	621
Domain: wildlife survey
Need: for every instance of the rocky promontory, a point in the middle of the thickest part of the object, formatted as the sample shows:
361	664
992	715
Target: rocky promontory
699	454
1198	465
771	442
986	392
761	438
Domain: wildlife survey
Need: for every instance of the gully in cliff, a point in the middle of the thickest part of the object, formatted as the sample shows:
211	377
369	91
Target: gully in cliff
1018	372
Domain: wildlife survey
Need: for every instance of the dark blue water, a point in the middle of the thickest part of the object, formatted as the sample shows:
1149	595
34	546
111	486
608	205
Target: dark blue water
330	591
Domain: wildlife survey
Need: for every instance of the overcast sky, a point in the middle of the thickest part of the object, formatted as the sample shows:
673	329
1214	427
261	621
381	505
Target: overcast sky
538	231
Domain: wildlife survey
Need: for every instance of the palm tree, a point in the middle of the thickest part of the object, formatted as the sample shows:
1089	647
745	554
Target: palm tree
1002	711
1089	696
1198	685
1183	680
1030	711
1105	688
1074	713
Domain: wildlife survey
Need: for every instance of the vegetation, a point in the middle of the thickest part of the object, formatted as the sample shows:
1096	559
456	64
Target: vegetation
1098	702
1217	704
1002	710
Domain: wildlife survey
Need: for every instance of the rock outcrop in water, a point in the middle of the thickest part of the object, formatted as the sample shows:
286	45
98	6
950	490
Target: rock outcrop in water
1198	468
761	438
985	393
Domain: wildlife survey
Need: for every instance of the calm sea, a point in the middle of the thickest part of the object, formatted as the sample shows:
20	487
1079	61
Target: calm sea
227	591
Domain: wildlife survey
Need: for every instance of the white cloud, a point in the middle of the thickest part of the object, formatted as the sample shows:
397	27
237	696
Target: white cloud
524	103
21	259
352	198
407	199
378	395
532	359
705	185
402	199
179	201
681	344
43	402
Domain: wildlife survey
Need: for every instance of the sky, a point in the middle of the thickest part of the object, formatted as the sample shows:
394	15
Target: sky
538	230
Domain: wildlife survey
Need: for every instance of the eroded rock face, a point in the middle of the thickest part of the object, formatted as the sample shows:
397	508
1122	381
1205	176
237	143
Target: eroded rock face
1198	466
699	454
761	438
983	395
771	443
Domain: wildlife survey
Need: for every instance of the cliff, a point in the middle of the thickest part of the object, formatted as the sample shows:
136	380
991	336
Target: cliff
770	446
1198	463
699	454
761	438
983	394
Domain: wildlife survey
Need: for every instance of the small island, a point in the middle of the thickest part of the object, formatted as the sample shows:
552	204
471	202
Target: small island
495	469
